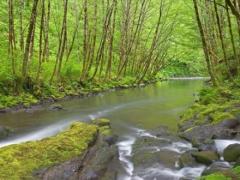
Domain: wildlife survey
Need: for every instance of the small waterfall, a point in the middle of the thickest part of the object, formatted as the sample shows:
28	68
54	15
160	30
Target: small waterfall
222	144
125	153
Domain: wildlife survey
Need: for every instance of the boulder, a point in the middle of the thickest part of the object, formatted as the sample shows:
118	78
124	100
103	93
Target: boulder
146	158
230	123
216	167
187	160
55	107
232	153
206	133
205	157
111	140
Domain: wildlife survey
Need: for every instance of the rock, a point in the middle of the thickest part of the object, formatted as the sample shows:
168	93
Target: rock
146	158
205	134
111	140
56	107
98	162
4	132
187	160
101	122
232	153
205	157
207	147
230	124
91	175
2	111
216	167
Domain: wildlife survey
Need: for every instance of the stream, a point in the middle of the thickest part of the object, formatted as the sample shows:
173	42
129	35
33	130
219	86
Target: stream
135	115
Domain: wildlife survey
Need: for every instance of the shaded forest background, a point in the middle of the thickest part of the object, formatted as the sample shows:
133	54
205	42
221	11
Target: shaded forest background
52	48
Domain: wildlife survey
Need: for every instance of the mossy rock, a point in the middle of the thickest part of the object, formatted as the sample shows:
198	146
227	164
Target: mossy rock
105	130
232	153
217	176
205	157
231	174
20	161
101	122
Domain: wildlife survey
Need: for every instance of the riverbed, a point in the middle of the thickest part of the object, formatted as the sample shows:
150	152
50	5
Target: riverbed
135	115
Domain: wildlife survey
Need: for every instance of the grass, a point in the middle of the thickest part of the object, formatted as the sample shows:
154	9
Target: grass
20	161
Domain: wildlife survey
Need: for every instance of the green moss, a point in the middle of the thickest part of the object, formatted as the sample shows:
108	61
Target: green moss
20	161
101	122
220	116
232	174
105	130
216	177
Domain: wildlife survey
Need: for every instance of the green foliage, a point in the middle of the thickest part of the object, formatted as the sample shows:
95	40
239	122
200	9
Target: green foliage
20	161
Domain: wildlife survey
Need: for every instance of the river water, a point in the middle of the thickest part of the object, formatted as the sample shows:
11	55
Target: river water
134	114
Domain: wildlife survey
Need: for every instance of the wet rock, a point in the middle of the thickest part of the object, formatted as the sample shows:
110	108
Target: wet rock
146	158
230	124
187	160
111	140
232	153
149	143
101	122
5	132
205	134
205	157
98	162
216	167
2	111
56	107
91	175
207	147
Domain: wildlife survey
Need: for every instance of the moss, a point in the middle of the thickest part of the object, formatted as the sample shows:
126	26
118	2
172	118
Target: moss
232	174
105	130
20	161
216	177
101	122
220	116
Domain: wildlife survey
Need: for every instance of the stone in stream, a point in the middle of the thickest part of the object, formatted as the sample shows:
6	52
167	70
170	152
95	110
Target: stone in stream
147	158
187	160
101	122
206	157
232	153
55	107
5	132
206	133
111	139
216	167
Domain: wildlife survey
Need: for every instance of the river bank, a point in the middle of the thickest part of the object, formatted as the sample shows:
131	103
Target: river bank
35	100
212	125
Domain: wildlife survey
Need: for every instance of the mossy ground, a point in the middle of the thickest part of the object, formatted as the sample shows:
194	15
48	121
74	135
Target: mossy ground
20	161
37	93
214	106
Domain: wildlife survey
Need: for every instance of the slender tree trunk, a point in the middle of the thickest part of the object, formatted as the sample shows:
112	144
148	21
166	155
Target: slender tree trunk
205	48
29	38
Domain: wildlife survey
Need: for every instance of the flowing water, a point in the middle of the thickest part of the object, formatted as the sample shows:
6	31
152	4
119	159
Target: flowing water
134	114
